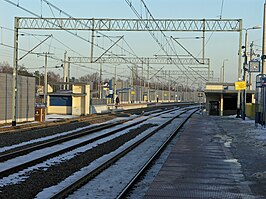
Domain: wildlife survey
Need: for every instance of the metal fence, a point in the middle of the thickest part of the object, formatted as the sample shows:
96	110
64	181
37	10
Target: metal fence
25	98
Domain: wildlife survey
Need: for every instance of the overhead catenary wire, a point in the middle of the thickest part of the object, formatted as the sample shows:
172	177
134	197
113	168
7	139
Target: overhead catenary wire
68	15
149	15
61	11
34	14
44	35
71	17
66	30
17	5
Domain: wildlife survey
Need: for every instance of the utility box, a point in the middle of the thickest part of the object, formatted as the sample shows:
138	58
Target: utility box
40	114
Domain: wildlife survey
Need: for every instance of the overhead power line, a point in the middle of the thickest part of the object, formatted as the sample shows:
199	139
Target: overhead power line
104	35
149	15
39	16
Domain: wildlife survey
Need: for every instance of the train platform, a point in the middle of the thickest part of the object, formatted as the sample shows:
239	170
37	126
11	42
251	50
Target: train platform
214	157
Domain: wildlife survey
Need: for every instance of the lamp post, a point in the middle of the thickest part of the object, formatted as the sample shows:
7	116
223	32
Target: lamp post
245	65
223	69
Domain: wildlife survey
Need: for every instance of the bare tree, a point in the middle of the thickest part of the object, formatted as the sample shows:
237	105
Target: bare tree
53	77
5	68
90	78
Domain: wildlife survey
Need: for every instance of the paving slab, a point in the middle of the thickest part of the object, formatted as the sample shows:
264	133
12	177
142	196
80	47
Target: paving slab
206	163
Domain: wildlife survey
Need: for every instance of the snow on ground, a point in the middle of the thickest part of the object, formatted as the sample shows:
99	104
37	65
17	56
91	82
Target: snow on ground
62	134
259	131
54	117
253	136
119	176
48	118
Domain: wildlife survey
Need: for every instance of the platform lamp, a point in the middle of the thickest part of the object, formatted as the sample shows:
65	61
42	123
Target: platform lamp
245	66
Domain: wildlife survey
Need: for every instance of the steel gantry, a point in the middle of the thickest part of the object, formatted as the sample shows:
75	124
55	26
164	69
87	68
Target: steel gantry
202	25
140	60
146	61
180	74
211	25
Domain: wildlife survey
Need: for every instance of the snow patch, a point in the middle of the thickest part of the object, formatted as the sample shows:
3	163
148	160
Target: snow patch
231	160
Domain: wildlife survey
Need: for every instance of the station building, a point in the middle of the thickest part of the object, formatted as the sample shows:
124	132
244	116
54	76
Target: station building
221	99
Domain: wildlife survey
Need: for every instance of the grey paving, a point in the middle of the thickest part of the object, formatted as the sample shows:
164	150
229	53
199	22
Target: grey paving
201	165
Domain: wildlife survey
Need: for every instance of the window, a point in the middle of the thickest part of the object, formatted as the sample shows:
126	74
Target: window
60	101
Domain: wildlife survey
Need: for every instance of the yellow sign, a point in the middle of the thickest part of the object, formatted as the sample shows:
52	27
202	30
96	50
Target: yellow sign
240	85
133	92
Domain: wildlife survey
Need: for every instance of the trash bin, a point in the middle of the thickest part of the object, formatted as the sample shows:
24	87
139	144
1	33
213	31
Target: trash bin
40	114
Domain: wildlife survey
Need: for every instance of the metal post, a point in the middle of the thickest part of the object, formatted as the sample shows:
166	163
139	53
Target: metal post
186	91
244	76
148	79
250	74
142	79
100	84
203	40
239	68
45	81
140	83
222	105
169	88
245	64
209	69
92	39
130	85
262	98
223	72
15	73
264	42
114	95
65	70
68	73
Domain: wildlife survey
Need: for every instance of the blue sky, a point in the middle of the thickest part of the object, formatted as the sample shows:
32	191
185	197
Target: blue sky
220	46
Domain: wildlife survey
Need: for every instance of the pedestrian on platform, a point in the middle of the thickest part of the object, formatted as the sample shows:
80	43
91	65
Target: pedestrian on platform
117	101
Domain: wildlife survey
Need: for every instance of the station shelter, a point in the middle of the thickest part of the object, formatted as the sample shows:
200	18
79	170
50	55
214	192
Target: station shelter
221	99
68	98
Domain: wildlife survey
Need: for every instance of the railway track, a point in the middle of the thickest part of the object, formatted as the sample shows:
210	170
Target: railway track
116	140
126	189
62	139
26	147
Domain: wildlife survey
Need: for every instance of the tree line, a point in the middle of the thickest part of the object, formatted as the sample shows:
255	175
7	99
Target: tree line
5	67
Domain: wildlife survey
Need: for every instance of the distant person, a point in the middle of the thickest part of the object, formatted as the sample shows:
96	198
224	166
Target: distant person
157	98
117	101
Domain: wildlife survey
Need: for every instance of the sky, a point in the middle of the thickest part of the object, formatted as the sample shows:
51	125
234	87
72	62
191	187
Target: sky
219	46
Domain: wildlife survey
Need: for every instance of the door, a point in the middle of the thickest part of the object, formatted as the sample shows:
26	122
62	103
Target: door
214	107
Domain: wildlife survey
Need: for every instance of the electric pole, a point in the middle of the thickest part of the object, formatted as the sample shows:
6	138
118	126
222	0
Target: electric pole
65	70
169	87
